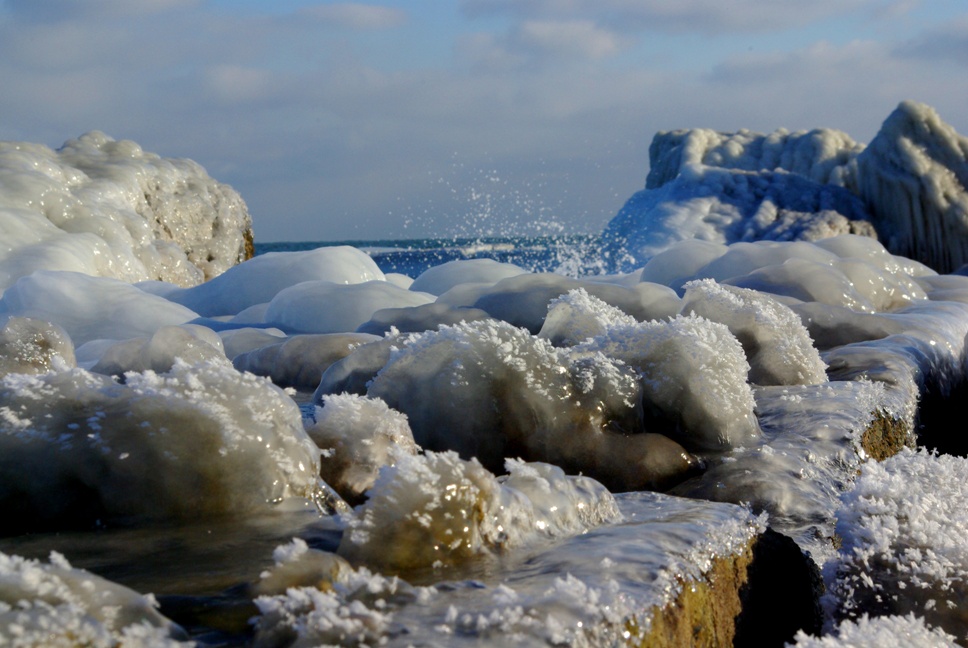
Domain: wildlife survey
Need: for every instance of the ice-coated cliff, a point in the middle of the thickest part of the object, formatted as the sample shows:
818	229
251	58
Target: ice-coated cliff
908	187
105	207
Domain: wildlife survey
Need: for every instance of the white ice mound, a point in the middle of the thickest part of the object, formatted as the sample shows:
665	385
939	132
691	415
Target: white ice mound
77	447
189	343
104	207
260	279
694	379
777	345
327	307
441	278
436	510
914	175
91	308
577	316
358	436
729	187
53	604
904	526
33	346
300	360
880	632
490	390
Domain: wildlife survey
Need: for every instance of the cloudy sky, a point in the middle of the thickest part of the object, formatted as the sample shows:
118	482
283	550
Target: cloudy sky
449	117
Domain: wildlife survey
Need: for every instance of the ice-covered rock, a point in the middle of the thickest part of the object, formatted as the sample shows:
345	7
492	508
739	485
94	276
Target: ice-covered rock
904	526
880	632
576	316
439	279
260	279
91	308
189	343
104	207
327	307
33	346
914	176
357	436
414	319
693	376
777	345
300	360
491	390
437	510
78	447
54	604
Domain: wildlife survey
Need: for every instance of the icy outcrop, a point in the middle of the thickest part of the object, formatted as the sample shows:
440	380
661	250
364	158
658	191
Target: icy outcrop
777	345
33	346
905	531
729	187
438	510
877	632
78	447
54	604
189	343
498	391
914	176
107	208
358	436
300	360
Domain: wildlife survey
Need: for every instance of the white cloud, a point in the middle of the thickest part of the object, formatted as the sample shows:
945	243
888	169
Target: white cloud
352	15
581	37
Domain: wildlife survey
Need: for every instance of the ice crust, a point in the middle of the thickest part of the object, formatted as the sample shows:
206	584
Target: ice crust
880	632
53	604
104	207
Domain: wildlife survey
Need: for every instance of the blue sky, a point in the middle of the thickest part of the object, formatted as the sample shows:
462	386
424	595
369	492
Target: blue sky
400	119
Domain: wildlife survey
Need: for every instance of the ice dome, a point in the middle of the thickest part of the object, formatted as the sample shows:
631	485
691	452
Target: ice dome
105	207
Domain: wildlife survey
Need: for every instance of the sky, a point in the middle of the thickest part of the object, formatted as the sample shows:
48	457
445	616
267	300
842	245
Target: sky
343	120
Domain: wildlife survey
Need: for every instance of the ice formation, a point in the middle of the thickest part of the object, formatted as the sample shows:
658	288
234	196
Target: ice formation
33	346
189	343
107	208
880	632
358	436
909	184
78	448
905	530
439	279
437	510
53	604
300	360
914	173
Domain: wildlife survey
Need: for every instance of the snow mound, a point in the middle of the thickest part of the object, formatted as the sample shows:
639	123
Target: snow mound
107	208
439	279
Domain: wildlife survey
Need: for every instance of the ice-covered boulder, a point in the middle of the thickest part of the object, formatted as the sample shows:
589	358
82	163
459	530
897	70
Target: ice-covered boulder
877	632
300	360
327	307
914	177
777	345
260	279
33	346
414	319
357	436
104	207
189	343
490	390
439	279
91	308
904	526
202	440
54	604
438	510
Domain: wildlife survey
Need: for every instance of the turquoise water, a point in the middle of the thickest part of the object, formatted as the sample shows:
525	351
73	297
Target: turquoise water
572	255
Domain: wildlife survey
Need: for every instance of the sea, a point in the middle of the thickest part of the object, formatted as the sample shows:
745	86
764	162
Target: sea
571	255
